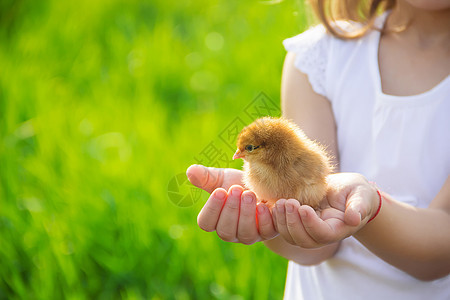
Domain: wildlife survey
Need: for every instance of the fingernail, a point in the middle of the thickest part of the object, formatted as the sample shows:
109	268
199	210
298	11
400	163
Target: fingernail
260	209
220	195
235	192
356	210
248	199
289	208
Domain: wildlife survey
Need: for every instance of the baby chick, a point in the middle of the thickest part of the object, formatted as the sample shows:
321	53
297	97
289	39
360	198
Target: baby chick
281	162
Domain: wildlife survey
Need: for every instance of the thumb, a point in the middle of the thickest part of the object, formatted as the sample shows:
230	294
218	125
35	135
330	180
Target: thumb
206	178
357	209
352	215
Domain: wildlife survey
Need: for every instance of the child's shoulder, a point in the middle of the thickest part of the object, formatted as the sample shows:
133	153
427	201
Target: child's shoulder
312	36
319	54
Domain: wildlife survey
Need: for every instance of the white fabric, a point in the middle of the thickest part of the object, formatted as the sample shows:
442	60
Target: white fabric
401	143
311	56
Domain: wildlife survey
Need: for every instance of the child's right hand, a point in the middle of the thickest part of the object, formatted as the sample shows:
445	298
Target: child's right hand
233	214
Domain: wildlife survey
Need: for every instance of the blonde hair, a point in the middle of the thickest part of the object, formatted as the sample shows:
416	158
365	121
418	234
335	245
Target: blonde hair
363	12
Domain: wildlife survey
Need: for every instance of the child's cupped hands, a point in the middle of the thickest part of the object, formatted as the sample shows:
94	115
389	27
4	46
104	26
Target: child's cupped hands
230	210
236	216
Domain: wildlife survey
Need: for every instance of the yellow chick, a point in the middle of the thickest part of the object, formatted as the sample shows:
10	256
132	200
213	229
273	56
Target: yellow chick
281	162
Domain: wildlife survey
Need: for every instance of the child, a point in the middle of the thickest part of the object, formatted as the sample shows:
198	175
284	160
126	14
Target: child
379	99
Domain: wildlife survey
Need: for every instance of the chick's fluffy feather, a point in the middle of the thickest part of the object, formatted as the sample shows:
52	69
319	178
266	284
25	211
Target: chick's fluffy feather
285	164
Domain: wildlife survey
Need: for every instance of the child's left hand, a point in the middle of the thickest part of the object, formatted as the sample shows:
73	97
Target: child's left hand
350	202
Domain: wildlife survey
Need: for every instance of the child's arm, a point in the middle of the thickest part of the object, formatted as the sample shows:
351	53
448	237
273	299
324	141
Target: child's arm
303	256
311	111
415	240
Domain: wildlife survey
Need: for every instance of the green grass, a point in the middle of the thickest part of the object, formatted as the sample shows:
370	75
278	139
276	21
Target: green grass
101	104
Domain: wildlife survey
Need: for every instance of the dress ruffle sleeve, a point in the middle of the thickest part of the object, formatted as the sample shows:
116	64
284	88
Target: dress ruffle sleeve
311	49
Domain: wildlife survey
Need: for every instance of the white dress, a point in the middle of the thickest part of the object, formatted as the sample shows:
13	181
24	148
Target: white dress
400	142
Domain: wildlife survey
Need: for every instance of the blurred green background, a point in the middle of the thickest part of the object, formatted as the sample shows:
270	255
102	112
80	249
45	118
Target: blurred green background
102	103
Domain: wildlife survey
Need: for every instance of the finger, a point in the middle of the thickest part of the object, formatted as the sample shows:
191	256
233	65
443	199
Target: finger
274	217
247	231
206	178
352	215
281	220
209	215
229	217
266	226
358	207
320	231
295	226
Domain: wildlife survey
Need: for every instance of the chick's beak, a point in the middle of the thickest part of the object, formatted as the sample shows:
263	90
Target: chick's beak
238	154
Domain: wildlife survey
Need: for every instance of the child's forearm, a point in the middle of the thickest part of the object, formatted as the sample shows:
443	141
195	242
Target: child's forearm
301	255
412	239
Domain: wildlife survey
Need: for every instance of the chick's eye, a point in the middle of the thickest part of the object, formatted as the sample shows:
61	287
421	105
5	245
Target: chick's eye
250	148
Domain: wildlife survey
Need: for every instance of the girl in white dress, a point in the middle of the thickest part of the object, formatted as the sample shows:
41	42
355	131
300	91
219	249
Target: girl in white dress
373	88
